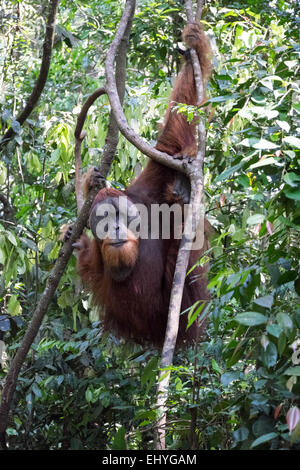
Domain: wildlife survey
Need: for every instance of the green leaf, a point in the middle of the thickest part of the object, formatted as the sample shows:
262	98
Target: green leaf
268	81
2	256
14	306
293	371
240	434
263	162
281	343
269	356
283	125
149	373
16	126
263	439
264	144
297	285
255	219
292	194
88	395
11	238
229	377
251	318
274	330
194	312
286	277
260	144
216	366
36	390
225	174
292	179
266	301
285	322
292	140
119	442
295	434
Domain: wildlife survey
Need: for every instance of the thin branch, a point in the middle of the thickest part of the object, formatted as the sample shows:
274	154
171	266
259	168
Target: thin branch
47	296
84	110
189	11
42	78
112	139
200	4
79	136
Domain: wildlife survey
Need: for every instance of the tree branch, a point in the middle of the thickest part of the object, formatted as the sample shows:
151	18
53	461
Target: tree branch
199	10
42	78
79	136
112	138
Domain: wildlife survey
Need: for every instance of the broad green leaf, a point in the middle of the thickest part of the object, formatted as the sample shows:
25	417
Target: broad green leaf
292	140
292	194
216	366
227	173
240	434
16	126
220	99
292	179
14	306
274	330
255	219
266	301
291	63
285	322
194	312
263	162
283	125
295	433
119	442
269	355
293	371
287	276
281	343
251	318
264	144
262	439
2	256
268	81
36	390
229	377
11	238
88	395
149	373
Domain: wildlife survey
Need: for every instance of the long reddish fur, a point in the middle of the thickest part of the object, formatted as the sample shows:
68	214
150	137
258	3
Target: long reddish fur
137	308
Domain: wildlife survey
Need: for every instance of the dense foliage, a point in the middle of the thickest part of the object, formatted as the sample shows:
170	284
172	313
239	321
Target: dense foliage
80	389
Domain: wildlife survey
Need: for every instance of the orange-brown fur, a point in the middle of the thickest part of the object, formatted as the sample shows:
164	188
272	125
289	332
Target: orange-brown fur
178	136
137	307
116	257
